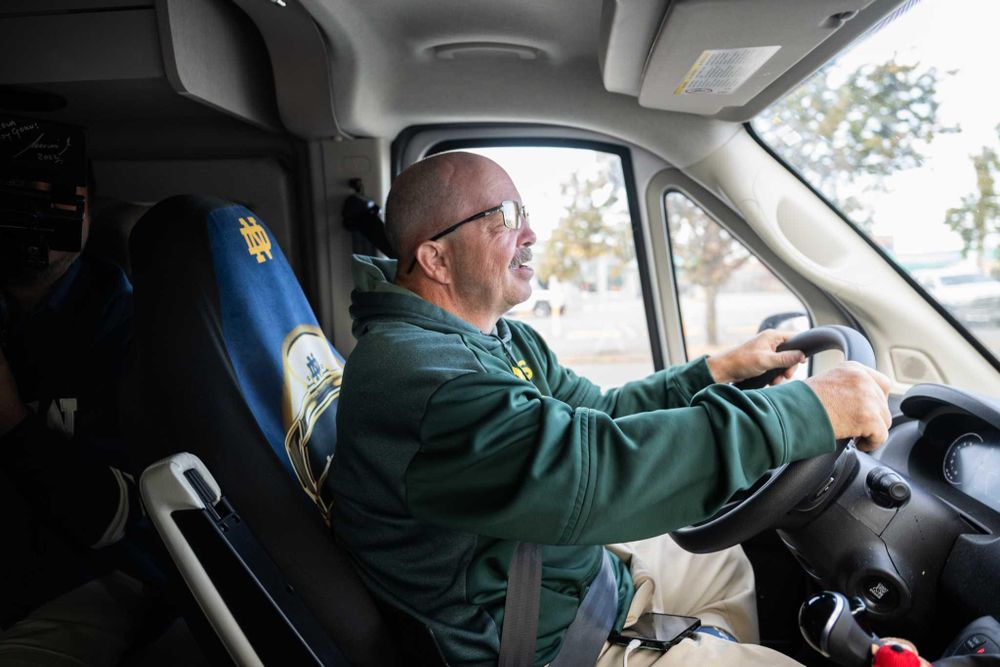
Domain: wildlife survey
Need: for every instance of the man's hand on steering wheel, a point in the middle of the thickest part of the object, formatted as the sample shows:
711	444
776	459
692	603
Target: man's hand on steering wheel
856	401
754	357
853	395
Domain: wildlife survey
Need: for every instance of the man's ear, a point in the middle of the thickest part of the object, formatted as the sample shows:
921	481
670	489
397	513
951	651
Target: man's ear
434	261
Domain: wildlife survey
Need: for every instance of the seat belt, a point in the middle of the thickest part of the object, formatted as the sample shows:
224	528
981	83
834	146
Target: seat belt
584	637
592	624
520	610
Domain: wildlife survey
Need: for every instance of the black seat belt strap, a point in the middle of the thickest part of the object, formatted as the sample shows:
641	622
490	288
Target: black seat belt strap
520	611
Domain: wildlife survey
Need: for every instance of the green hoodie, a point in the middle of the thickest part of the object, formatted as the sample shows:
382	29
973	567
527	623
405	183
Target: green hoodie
454	445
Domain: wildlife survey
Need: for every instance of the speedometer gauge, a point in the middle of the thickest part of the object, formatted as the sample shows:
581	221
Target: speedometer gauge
973	466
959	459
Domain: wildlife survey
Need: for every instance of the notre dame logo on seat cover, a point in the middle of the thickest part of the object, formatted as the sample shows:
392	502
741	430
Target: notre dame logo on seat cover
257	240
312	377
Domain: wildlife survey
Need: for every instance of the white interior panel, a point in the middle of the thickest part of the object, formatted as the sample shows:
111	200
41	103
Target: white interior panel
336	163
166	490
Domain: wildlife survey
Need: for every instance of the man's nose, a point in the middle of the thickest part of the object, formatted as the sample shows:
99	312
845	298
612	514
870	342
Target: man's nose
526	235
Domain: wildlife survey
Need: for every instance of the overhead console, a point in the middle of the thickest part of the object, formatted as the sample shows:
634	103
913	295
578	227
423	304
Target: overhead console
174	96
105	61
726	59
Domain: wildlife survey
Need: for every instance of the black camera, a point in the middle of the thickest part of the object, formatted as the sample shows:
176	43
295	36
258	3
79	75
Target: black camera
43	169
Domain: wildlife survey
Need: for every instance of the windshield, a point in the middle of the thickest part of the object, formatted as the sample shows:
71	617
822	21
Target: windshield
902	133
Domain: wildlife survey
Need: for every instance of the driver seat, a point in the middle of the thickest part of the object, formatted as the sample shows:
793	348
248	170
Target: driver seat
234	370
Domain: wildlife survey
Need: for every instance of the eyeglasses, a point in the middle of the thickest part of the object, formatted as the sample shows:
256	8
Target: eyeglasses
513	215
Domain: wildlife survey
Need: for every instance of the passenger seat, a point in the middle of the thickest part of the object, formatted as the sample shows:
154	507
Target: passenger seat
235	371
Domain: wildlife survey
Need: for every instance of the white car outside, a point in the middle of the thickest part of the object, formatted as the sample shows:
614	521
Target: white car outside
544	301
971	296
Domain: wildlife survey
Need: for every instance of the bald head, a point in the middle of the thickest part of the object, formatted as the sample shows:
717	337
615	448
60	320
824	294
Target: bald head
437	192
476	271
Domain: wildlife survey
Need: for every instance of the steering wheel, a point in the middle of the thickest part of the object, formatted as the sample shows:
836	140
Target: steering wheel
788	484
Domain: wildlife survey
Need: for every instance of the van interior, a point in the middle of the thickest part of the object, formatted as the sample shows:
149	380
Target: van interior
663	115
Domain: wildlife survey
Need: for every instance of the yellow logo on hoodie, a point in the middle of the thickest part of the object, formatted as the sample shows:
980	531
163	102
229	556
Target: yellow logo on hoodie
523	370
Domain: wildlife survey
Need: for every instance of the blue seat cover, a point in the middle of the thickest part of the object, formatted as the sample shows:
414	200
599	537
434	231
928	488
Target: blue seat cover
289	373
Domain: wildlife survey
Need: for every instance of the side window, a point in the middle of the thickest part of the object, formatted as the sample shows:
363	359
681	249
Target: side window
725	292
587	299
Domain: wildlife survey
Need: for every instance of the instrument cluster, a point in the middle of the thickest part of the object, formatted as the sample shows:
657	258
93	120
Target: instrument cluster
971	464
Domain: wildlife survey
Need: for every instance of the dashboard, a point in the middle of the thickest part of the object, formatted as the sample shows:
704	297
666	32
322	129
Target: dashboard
928	557
950	445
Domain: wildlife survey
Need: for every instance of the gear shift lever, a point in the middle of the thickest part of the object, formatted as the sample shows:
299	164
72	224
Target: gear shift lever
827	623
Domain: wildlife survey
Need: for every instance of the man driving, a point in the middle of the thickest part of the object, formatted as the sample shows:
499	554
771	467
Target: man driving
461	437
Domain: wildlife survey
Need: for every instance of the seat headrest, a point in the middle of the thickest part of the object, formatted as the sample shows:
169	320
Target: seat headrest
212	262
111	223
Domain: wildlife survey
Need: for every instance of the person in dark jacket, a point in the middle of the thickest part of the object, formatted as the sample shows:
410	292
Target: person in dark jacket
65	327
460	435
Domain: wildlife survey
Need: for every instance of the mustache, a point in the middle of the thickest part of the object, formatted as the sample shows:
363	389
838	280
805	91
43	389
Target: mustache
523	256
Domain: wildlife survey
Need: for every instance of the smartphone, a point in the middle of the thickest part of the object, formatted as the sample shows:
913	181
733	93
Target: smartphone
657	631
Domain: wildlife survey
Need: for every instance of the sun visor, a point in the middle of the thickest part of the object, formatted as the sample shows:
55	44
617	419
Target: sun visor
715	57
628	28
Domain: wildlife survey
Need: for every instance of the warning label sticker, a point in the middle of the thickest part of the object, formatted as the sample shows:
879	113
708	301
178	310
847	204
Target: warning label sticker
721	71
